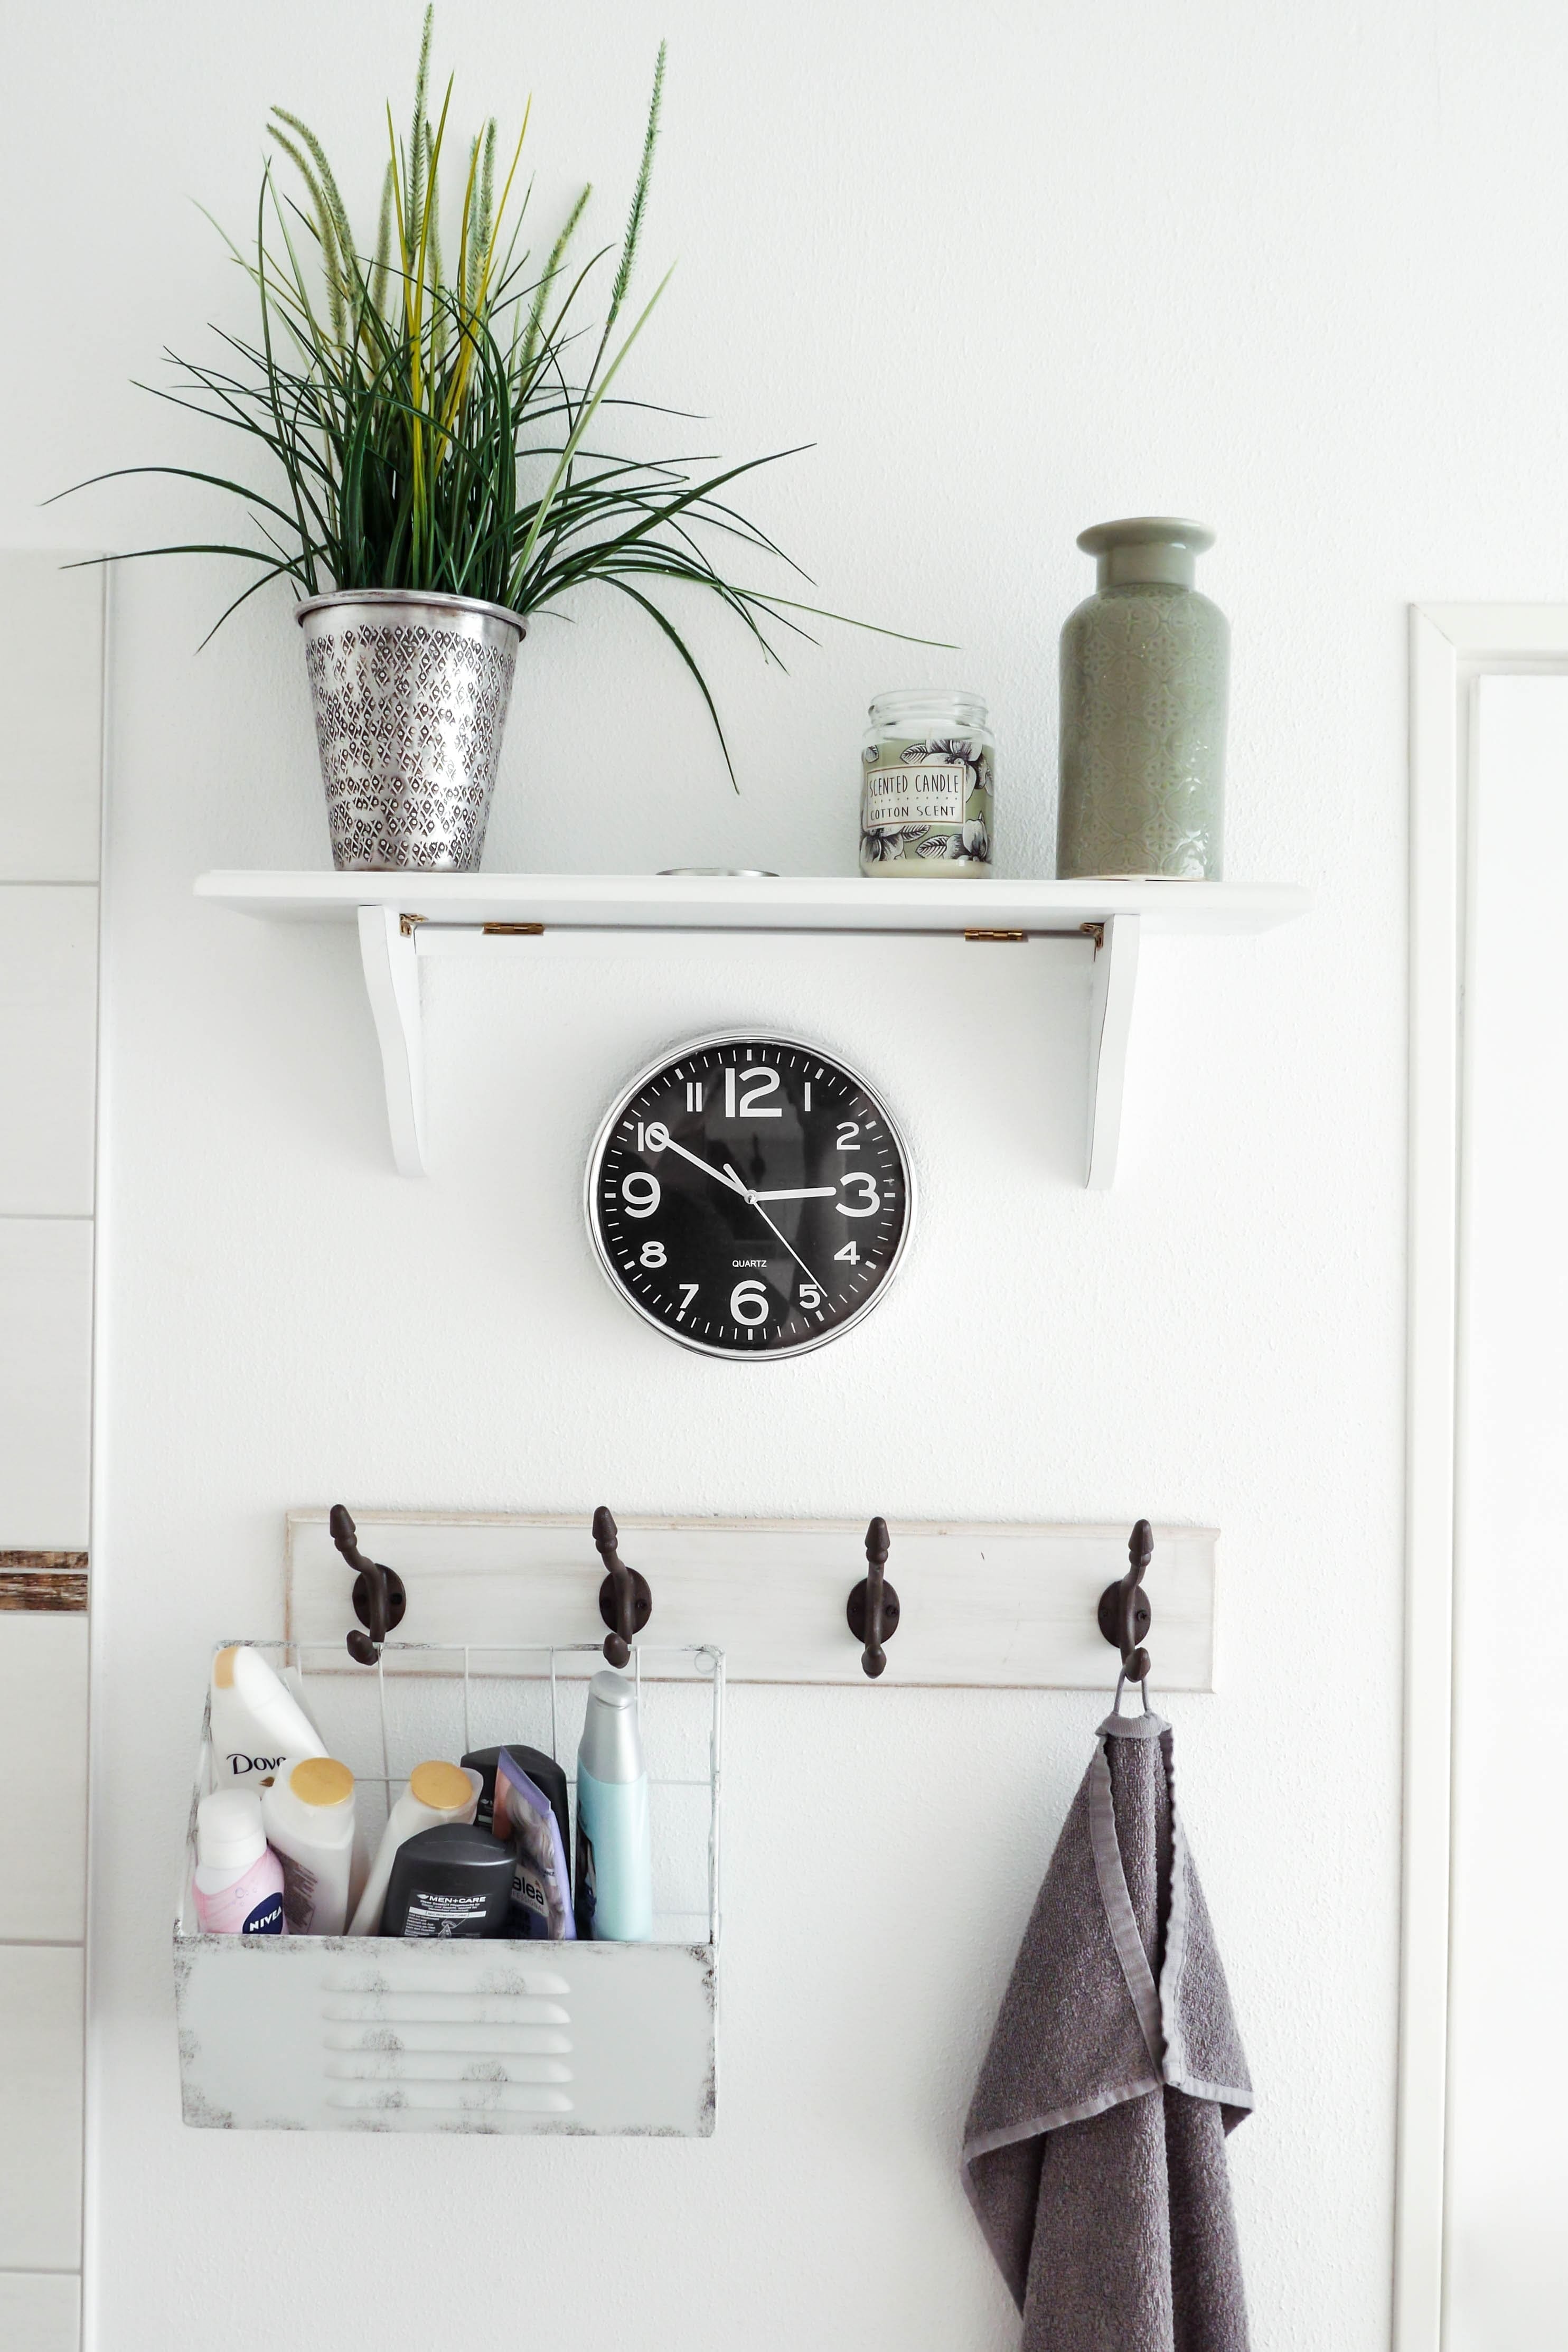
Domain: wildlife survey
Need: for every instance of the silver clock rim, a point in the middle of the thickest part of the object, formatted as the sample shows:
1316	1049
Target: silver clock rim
705	1044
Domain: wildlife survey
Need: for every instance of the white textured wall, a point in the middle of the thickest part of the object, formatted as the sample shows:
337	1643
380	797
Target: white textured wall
1013	270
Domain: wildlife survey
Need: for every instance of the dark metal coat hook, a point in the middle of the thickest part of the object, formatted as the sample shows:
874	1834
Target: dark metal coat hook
379	1596
625	1604
1125	1615
872	1610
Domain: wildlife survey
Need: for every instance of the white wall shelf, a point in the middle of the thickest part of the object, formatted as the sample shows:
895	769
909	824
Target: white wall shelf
403	917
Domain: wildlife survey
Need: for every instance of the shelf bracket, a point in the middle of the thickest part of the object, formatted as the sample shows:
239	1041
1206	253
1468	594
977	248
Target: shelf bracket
1111	992
389	954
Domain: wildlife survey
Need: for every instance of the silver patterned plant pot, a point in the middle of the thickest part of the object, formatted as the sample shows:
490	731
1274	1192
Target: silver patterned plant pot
410	692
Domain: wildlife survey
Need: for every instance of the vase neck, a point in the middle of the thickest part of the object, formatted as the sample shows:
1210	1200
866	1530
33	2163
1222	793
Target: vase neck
1159	548
1170	566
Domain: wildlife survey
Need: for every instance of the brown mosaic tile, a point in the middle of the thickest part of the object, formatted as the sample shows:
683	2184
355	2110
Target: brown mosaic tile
42	1580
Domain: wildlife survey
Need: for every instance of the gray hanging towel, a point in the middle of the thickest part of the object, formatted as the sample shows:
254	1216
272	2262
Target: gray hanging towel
1094	2152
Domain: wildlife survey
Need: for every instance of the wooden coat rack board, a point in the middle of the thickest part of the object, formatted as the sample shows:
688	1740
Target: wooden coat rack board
1003	1607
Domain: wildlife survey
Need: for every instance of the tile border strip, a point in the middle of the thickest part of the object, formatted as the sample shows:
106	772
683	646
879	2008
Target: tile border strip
42	1580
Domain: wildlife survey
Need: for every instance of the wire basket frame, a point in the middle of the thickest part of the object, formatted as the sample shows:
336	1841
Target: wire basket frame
411	1679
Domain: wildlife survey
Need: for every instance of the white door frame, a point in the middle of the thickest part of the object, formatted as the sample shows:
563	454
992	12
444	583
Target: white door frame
1452	648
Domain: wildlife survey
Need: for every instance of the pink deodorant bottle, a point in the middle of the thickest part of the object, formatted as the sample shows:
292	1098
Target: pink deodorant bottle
238	1878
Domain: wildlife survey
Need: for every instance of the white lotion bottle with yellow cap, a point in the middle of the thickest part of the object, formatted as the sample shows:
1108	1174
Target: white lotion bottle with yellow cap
309	1816
256	1721
437	1793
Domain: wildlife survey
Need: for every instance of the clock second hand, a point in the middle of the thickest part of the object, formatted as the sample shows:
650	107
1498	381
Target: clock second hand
756	1200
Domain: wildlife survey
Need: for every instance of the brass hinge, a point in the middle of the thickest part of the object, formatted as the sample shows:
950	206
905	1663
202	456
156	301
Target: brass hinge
408	924
514	930
995	935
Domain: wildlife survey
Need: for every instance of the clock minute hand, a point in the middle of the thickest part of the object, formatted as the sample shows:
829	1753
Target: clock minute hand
666	1142
804	1193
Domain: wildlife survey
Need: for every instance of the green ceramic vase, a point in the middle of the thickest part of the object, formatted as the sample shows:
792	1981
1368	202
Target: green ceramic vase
1145	675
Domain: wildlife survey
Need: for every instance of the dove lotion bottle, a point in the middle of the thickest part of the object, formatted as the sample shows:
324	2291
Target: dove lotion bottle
256	1721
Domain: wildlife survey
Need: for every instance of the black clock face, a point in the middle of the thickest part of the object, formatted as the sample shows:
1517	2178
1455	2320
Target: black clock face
749	1196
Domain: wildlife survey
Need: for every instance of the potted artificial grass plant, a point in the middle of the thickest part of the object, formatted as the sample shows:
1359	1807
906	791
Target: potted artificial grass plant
427	409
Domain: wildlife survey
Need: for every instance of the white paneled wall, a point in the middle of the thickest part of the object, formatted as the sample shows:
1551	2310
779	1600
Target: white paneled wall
51	687
40	2309
49	1003
51	718
40	2106
46	1320
43	1771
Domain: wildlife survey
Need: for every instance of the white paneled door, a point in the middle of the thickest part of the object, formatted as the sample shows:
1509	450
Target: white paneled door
1507	2285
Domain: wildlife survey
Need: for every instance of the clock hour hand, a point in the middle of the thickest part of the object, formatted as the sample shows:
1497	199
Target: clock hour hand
805	1192
661	1139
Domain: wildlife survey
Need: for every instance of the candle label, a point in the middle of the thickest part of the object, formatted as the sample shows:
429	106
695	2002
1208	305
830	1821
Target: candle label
924	804
923	793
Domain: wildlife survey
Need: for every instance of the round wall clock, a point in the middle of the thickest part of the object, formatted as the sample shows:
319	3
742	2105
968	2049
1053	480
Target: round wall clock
749	1196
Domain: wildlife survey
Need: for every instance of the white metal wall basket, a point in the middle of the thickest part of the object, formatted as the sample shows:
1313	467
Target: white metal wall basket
369	2033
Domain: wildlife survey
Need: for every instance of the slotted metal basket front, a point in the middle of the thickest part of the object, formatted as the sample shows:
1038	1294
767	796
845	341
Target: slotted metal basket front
372	2033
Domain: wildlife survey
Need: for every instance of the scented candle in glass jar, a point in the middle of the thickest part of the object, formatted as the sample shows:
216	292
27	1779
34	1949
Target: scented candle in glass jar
926	770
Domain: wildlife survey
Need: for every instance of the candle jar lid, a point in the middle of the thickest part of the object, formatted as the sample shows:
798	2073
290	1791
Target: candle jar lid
909	710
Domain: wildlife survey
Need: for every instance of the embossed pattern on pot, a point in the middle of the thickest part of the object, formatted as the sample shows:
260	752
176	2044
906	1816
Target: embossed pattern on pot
410	694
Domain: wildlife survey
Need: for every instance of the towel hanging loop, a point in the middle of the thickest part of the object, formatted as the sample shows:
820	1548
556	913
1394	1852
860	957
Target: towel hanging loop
872	1607
379	1595
1125	1615
625	1601
1142	1688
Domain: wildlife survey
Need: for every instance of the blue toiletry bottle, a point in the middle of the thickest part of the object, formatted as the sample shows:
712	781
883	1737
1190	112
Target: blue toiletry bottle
614	1876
